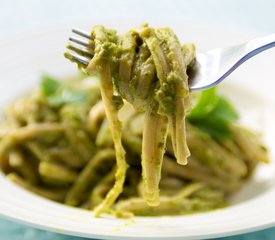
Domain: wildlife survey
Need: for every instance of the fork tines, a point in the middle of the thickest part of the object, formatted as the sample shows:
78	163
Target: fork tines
80	48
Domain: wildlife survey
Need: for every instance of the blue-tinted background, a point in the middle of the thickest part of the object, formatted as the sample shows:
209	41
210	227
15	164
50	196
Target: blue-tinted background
14	231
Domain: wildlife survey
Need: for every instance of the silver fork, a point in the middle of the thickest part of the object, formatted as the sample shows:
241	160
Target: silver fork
211	67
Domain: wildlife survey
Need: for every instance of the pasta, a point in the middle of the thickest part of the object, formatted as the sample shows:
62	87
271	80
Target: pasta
149	72
116	142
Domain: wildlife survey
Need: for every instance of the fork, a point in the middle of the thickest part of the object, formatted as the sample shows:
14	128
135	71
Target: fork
210	68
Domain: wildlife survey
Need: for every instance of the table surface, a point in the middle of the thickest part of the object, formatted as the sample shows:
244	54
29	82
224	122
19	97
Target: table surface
16	16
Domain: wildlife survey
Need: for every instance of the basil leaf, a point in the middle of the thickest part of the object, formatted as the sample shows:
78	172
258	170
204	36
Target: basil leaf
67	95
207	101
224	111
217	129
213	114
49	85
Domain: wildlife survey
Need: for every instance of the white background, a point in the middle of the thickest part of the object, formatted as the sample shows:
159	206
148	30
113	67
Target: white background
255	16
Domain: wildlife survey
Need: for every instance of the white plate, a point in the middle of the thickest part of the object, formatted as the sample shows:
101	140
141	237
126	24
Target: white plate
26	57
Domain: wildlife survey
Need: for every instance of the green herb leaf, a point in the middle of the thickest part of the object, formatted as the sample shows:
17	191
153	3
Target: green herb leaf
224	111
67	95
215	128
213	114
207	101
49	85
59	94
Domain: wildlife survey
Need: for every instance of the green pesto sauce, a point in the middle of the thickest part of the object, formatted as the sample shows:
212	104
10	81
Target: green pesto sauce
166	97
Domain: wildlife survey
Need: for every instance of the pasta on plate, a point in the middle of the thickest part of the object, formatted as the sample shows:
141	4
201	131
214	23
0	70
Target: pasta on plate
116	138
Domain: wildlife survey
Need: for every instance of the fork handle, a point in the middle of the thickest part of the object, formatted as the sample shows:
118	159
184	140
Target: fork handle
258	45
241	53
